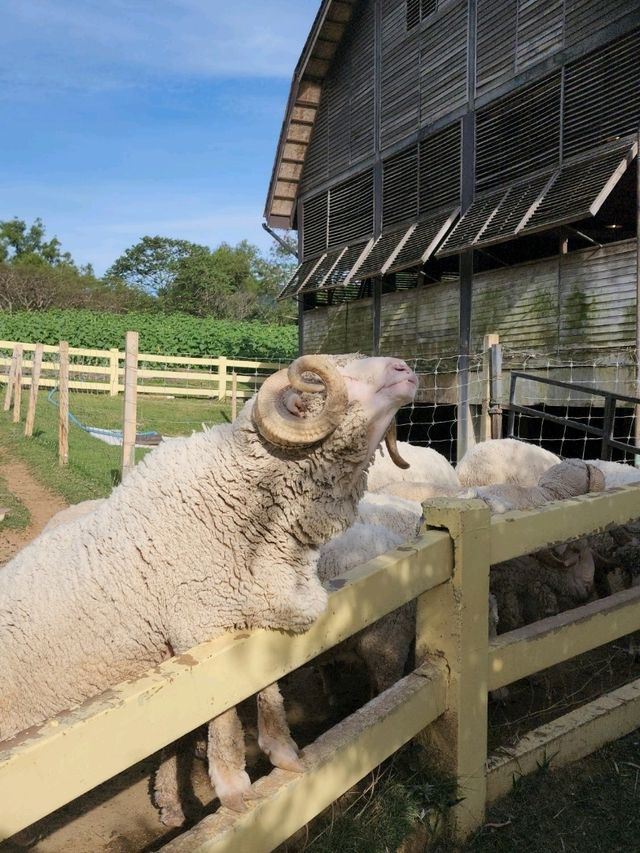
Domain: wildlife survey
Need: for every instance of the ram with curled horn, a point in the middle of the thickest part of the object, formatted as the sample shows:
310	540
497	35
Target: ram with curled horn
217	531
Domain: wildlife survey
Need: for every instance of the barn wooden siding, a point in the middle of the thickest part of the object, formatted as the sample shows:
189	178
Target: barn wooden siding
550	78
582	304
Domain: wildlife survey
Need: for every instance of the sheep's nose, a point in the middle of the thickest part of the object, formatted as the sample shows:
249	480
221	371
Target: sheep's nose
401	367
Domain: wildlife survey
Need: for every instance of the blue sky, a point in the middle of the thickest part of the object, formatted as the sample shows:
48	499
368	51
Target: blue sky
122	118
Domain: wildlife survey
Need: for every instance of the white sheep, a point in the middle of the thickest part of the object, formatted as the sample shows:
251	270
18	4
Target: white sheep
616	473
504	460
561	481
214	532
425	465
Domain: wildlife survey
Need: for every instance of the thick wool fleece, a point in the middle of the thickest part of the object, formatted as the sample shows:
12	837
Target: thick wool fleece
426	465
566	480
216	531
504	460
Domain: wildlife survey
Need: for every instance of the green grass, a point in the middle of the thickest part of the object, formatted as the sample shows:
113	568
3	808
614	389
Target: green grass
18	516
591	806
94	467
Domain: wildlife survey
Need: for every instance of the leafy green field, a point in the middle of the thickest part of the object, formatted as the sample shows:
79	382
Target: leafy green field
94	467
163	334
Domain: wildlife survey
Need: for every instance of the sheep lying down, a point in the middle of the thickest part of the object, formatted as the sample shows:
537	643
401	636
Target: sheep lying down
214	532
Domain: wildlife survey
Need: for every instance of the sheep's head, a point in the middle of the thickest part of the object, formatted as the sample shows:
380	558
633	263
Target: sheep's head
305	403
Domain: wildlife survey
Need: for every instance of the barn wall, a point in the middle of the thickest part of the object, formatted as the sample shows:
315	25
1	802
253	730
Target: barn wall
549	306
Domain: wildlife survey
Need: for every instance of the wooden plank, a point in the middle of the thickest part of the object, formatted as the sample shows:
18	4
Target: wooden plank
17	387
333	764
129	412
521	532
550	641
63	404
566	739
452	621
33	391
49	766
10	379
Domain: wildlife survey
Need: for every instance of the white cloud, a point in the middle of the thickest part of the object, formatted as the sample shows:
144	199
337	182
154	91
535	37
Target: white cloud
113	43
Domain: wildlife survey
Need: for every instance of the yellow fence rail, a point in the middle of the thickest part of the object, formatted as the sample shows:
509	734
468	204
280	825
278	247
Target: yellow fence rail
444	700
176	376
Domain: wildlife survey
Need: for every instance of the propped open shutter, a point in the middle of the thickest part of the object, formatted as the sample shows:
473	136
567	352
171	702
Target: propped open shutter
519	134
581	186
494	217
342	271
602	95
400	187
351	209
314	231
299	277
422	242
382	250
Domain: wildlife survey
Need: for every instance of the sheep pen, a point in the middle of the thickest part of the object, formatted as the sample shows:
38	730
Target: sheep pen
514	703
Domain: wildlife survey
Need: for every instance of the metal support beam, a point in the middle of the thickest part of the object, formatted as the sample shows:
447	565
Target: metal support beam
376	314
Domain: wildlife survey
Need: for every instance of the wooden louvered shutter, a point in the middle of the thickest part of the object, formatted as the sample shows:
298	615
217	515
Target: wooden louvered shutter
400	187
314	231
518	134
540	30
495	42
351	209
443	63
400	76
584	17
602	95
440	169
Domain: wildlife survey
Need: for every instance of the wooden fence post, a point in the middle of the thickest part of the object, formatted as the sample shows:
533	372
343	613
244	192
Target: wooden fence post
234	395
452	621
129	420
63	405
485	418
11	378
114	360
17	388
222	378
36	366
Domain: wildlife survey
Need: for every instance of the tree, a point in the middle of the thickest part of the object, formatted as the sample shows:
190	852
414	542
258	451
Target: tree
230	282
151	264
20	244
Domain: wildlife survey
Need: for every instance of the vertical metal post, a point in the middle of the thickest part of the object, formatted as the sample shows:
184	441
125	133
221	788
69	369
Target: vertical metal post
637	407
495	404
607	426
129	419
485	422
512	415
376	314
453	620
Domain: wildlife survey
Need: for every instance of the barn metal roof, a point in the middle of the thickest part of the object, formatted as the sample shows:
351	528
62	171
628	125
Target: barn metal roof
312	68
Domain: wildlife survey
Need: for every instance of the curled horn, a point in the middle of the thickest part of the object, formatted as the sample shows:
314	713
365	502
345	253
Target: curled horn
277	424
391	440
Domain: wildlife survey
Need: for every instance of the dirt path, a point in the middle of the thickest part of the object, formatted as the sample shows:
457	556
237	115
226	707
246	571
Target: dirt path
41	503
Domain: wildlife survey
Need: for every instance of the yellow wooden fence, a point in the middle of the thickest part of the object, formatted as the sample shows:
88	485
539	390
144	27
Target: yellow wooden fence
444	700
172	375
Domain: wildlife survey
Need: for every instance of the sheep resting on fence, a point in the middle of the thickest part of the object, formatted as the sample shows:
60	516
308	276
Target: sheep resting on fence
214	532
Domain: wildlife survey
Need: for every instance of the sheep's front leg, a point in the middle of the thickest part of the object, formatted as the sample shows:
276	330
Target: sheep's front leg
166	787
226	755
274	737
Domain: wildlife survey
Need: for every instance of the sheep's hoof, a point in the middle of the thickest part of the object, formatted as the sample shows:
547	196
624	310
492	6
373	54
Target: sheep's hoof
282	754
172	816
232	788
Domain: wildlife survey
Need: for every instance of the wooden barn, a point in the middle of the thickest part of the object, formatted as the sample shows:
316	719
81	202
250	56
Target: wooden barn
462	167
